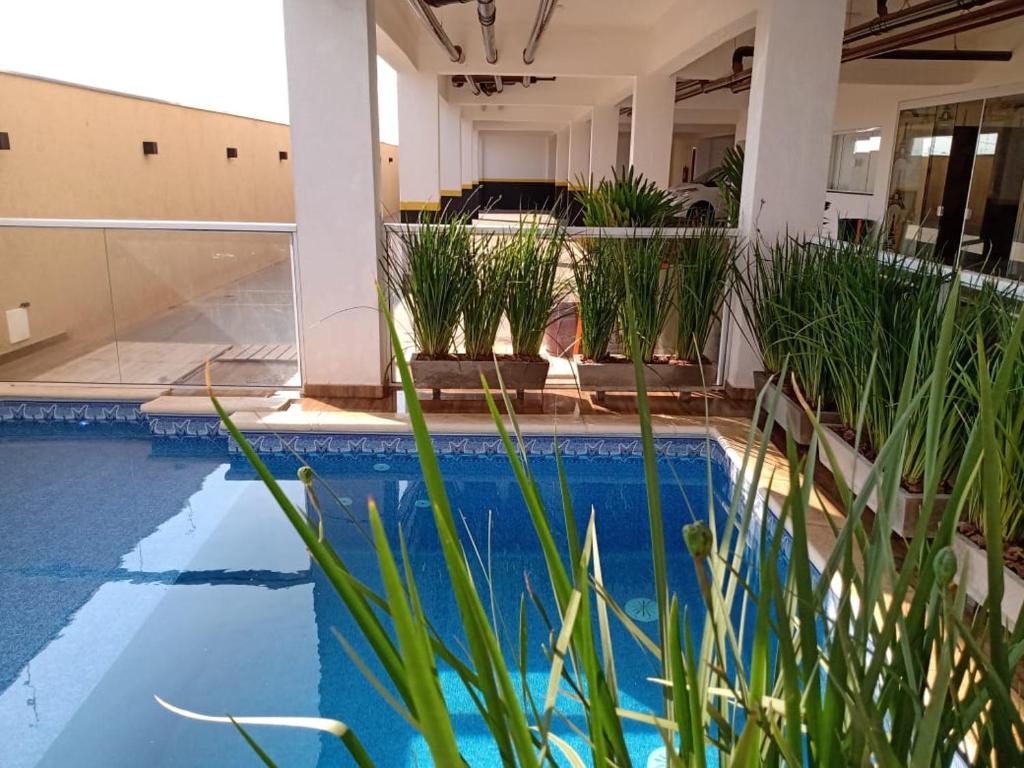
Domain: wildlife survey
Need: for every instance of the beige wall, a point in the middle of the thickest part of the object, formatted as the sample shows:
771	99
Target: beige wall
77	153
389	200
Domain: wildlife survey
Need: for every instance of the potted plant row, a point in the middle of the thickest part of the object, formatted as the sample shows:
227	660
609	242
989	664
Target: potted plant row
638	287
631	287
456	285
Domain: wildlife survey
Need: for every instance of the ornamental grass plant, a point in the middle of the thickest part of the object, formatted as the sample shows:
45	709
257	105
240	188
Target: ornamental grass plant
703	276
486	294
628	199
600	290
648	276
534	286
428	267
826	657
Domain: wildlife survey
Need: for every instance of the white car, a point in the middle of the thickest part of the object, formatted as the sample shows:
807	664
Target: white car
700	198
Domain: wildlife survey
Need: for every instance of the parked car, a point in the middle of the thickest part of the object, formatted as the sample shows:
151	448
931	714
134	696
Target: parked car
700	198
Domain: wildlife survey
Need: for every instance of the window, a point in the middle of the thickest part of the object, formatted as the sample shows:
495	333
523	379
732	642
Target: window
854	157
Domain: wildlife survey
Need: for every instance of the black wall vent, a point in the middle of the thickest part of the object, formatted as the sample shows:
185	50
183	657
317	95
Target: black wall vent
5	140
232	152
150	148
282	155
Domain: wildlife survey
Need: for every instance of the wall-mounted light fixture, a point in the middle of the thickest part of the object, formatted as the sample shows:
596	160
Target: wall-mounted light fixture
232	152
5	140
150	148
282	155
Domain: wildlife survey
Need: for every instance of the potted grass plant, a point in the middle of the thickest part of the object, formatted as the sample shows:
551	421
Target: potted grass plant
706	266
427	267
888	314
645	268
785	288
534	292
628	199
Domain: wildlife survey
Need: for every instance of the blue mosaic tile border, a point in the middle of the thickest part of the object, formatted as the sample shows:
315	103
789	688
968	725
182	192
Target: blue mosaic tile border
70	410
166	425
578	446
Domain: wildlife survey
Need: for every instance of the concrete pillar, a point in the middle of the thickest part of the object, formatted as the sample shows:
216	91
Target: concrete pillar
562	158
450	157
478	157
331	53
419	183
579	152
650	149
789	129
466	154
604	141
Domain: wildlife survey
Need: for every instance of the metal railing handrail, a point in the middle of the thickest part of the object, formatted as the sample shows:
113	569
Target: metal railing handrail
512	226
194	226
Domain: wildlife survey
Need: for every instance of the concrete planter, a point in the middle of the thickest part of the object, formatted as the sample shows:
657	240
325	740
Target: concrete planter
854	468
974	565
620	376
789	414
518	375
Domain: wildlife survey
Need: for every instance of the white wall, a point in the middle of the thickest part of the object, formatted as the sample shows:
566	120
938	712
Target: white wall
528	155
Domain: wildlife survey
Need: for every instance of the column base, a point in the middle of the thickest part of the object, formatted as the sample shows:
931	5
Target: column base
364	391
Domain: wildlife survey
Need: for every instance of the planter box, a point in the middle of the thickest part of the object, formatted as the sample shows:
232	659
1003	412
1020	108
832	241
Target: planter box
518	375
974	561
789	414
854	468
621	376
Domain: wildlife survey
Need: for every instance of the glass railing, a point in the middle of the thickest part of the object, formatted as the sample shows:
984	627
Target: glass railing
145	302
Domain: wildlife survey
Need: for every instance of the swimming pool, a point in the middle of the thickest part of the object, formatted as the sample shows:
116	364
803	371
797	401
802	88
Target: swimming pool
134	564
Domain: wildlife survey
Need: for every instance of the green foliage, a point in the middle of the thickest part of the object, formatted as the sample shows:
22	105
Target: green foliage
600	290
486	294
839	659
628	199
703	276
534	287
730	182
786	291
428	267
649	280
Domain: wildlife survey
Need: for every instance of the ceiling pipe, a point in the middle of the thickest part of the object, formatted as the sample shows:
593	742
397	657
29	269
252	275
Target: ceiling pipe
945	54
741	53
422	9
544	10
486	13
983	17
915	14
498	85
993	14
474	85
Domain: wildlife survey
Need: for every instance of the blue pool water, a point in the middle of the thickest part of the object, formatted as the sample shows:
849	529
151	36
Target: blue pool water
134	565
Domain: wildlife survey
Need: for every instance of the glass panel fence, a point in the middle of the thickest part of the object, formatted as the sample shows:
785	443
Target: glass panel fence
147	306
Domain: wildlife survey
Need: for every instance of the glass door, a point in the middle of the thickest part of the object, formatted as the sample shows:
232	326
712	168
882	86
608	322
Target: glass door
931	178
993	239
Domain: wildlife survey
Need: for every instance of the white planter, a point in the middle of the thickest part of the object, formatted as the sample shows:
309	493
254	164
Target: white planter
855	468
789	414
974	566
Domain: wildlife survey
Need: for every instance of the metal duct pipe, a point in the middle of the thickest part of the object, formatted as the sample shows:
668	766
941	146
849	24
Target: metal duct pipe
544	10
473	85
945	54
485	11
498	85
915	14
741	53
993	14
422	9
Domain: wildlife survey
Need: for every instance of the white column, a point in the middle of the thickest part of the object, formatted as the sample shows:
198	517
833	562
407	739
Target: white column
604	141
650	149
466	154
331	52
579	151
451	151
562	158
478	158
789	128
419	183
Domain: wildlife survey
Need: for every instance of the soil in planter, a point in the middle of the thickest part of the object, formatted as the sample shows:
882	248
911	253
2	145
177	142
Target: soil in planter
658	360
1013	554
849	437
487	358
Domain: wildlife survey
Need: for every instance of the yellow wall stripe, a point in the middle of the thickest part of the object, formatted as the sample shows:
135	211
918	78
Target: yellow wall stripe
521	181
452	192
419	205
